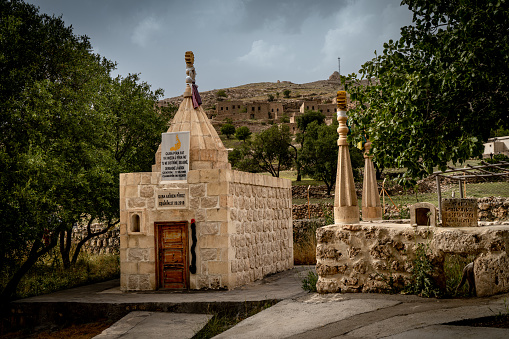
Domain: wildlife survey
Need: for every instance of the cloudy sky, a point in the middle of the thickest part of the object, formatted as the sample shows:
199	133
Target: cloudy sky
235	42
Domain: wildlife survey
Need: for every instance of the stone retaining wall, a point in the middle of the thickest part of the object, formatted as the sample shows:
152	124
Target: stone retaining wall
107	243
490	209
361	257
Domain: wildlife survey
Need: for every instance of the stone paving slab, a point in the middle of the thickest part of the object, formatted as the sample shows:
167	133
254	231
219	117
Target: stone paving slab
291	317
300	315
156	325
453	332
400	324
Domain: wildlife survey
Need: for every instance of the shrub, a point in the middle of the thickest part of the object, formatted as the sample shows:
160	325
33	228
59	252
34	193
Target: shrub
309	282
286	93
228	130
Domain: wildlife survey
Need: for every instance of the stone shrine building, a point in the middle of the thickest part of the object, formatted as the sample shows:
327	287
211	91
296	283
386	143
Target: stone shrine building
199	224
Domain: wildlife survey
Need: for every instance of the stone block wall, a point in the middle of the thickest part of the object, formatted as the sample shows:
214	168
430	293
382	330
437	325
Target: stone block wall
261	216
243	227
361	257
107	243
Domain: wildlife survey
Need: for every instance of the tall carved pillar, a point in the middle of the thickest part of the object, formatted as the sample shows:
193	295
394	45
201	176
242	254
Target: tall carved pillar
371	208
346	209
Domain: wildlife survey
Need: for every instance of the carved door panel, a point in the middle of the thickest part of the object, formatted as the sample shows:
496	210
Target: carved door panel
172	255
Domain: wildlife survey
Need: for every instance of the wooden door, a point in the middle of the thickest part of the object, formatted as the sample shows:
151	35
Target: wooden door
172	249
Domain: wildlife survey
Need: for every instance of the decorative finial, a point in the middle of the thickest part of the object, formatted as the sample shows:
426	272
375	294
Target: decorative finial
341	100
190	71
191	88
342	118
189	58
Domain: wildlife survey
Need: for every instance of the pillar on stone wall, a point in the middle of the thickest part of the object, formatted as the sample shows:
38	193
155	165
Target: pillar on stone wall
346	209
371	209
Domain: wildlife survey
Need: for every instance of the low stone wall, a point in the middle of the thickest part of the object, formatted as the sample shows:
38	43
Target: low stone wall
493	209
106	243
490	209
260	216
315	211
361	257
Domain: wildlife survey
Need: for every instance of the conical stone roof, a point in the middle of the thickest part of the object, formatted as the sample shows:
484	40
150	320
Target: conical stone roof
206	150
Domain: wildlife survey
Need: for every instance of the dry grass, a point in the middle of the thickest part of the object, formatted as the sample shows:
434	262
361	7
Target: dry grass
304	251
75	331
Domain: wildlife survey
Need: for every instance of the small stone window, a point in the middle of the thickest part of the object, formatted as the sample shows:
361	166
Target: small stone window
259	108
251	116
226	107
312	108
252	108
135	223
221	108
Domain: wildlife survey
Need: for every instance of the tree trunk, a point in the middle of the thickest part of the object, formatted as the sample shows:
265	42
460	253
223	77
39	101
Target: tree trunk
33	256
89	236
297	166
65	247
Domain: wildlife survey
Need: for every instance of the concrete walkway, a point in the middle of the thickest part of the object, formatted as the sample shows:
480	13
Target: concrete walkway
297	315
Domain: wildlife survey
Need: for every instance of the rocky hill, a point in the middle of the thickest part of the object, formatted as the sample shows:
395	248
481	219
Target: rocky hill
324	90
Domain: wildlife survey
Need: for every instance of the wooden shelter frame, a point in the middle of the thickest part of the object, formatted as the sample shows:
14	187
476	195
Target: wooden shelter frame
462	174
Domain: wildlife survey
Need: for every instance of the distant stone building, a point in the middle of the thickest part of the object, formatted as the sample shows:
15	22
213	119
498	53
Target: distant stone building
316	105
499	145
238	110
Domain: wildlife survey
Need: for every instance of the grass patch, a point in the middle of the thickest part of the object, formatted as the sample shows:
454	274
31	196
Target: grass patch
453	269
224	320
48	274
304	249
309	282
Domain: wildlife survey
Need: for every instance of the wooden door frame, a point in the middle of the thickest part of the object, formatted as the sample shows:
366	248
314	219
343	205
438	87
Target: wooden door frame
157	227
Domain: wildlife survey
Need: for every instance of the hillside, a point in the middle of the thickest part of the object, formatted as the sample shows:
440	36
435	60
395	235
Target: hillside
324	90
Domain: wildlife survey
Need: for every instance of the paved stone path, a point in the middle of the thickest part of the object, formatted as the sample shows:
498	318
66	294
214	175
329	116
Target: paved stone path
298	315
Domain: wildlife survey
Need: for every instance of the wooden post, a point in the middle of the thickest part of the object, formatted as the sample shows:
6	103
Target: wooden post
439	193
309	211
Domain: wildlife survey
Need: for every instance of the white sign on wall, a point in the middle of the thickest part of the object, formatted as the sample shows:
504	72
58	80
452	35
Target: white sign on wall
172	198
174	156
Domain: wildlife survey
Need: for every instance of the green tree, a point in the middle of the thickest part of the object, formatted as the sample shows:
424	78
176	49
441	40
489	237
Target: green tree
270	151
228	130
134	132
440	89
302	122
319	154
284	119
242	133
286	93
58	137
270	97
221	94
